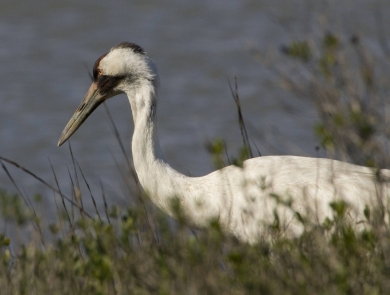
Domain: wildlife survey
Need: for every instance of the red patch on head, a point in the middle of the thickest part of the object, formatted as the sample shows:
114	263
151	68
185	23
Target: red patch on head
96	70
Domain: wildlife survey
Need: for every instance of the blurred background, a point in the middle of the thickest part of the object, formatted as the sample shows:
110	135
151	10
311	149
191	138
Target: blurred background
47	50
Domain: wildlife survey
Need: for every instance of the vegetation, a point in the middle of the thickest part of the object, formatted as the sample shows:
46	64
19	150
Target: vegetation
137	250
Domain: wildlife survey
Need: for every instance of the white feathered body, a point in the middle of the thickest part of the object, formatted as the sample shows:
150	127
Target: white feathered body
244	200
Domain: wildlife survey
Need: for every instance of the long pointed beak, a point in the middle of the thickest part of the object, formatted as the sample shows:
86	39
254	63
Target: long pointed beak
91	101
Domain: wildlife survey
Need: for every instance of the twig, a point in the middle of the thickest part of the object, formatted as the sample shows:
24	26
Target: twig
43	182
78	198
62	198
35	224
244	133
90	192
105	202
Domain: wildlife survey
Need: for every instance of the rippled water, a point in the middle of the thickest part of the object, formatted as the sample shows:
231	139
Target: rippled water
46	48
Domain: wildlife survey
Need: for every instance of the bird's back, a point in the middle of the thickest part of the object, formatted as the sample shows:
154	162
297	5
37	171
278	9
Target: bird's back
271	190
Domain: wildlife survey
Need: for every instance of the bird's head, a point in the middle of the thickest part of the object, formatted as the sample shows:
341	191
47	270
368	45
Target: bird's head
125	67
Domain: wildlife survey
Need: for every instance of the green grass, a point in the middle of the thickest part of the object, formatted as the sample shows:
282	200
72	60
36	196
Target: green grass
129	256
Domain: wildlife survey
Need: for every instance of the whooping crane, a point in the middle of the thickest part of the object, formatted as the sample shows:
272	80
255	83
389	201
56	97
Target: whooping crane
245	199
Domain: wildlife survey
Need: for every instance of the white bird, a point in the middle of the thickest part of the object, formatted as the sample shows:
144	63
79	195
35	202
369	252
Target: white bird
246	200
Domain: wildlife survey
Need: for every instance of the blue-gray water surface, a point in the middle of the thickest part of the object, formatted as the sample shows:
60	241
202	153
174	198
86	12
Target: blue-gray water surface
48	47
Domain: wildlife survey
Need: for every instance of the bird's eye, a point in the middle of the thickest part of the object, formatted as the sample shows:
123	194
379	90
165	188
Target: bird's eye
99	72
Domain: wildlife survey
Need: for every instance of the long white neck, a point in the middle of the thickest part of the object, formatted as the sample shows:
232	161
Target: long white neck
160	181
201	198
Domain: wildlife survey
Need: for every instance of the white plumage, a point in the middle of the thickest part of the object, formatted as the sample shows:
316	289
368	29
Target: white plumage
245	200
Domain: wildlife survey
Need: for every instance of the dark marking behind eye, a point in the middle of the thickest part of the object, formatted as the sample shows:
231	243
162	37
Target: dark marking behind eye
108	83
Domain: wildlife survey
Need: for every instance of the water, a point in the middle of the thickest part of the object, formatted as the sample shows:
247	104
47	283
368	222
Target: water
47	46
